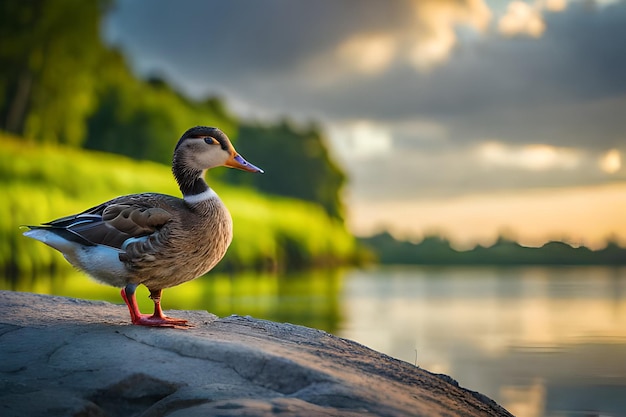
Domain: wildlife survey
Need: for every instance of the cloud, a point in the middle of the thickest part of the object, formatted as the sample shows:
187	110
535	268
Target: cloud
521	19
367	53
414	93
552	5
611	162
331	61
485	167
565	89
597	124
208	42
361	140
419	34
434	32
533	157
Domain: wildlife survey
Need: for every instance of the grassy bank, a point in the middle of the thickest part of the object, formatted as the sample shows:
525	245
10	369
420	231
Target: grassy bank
40	183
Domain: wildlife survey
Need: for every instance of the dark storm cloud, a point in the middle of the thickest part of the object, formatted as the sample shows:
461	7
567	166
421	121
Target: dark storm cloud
227	40
581	56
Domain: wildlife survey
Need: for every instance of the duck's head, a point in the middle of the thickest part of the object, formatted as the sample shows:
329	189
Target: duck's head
201	148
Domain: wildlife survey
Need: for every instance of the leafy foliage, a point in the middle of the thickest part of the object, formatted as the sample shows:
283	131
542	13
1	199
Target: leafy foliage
142	119
49	54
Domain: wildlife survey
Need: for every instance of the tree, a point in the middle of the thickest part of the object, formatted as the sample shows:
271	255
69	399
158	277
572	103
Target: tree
144	119
48	55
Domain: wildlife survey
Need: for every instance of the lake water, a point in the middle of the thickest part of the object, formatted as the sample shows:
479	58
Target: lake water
539	341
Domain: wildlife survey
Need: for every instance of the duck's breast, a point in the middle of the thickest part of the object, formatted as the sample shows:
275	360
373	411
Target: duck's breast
184	249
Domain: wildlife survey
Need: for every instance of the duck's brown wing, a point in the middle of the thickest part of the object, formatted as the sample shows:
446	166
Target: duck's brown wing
111	224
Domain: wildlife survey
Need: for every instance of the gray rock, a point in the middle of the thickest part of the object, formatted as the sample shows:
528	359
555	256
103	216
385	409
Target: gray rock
68	357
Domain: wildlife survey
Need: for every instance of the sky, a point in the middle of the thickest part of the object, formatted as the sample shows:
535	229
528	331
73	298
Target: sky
468	118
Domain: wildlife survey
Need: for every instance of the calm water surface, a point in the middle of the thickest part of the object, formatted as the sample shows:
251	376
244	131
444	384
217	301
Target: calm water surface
540	341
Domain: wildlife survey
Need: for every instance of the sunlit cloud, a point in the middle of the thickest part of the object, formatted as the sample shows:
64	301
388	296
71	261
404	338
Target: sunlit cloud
434	34
611	162
369	53
553	5
534	157
526	18
425	39
521	18
361	139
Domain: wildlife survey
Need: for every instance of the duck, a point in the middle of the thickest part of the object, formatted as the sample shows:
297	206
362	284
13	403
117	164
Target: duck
151	239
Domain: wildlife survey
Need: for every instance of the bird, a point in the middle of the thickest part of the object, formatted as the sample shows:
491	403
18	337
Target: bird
151	239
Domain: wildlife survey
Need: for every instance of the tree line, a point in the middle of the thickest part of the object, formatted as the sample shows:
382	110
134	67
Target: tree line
436	250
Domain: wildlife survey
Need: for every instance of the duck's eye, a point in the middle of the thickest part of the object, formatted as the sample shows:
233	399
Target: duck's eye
209	140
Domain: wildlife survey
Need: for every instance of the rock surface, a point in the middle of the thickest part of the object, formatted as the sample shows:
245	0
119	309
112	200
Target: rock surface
68	357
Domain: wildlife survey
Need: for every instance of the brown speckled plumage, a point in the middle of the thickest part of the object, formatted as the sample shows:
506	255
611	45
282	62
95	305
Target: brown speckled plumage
156	261
154	239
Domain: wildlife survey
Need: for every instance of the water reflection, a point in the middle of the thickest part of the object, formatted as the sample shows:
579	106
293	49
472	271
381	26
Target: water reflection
540	341
310	299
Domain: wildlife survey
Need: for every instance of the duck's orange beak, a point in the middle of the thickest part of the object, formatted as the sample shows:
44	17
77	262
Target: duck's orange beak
237	161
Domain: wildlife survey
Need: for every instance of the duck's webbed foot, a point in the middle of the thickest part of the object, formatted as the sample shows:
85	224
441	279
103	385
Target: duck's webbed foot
158	319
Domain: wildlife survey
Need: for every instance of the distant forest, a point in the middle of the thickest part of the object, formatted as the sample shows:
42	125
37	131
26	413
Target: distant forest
435	250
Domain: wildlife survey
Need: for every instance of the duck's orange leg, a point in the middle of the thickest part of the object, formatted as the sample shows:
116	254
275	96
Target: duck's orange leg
158	319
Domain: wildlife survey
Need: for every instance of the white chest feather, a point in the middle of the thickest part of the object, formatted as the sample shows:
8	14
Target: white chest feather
209	194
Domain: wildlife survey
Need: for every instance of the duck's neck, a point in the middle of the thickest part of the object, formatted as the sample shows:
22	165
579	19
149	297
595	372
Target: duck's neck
191	183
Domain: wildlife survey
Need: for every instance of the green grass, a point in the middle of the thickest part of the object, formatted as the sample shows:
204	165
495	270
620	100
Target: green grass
40	183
